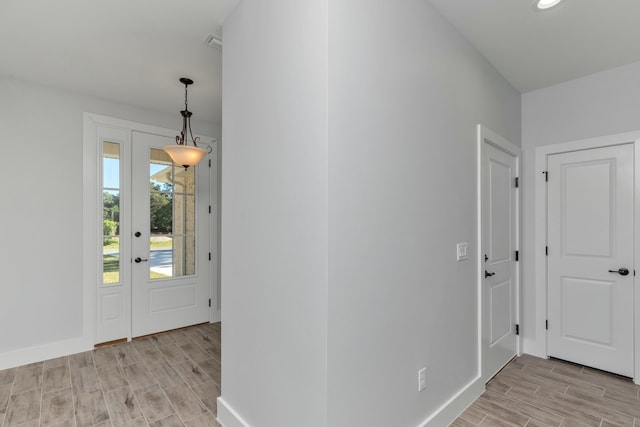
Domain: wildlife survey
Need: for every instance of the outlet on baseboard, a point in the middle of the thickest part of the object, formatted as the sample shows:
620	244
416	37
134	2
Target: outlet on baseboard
422	379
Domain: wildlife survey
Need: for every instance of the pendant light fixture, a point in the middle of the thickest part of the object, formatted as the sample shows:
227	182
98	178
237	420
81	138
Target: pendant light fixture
181	153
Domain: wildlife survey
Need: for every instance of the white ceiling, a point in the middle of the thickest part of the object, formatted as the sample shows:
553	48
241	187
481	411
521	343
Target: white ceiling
130	51
134	51
534	49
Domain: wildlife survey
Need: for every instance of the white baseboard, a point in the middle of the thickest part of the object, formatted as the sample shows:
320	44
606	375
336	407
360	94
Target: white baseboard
39	353
227	417
455	406
443	416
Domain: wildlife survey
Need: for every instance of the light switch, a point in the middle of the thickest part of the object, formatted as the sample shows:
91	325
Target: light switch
462	251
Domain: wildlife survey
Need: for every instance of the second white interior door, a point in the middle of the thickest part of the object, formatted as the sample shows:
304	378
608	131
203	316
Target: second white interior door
590	262
499	243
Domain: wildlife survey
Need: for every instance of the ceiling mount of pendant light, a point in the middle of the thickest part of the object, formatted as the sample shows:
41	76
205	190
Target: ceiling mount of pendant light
546	4
181	153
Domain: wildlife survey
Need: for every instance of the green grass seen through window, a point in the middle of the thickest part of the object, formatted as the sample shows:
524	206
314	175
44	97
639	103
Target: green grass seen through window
111	270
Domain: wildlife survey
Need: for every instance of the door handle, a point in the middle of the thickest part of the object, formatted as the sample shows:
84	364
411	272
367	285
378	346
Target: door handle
138	260
621	271
487	274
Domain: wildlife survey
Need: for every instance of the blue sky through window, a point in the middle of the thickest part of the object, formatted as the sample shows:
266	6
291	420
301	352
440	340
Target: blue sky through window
111	173
155	168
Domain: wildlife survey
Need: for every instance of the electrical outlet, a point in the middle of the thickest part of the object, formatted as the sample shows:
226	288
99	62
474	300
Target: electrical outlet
422	379
462	251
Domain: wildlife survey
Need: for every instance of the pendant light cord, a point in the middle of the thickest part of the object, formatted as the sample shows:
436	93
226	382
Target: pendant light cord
186	121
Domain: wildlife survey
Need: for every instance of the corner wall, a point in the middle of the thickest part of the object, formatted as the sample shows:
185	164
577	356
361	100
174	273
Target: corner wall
274	214
341	212
406	93
601	104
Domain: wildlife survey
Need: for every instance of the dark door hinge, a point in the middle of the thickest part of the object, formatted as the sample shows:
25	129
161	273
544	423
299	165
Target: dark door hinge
517	255
209	162
209	302
546	176
209	208
209	256
486	258
546	324
517	329
517	182
546	250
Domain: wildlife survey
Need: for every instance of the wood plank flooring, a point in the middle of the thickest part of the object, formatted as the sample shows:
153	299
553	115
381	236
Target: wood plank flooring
173	380
536	392
165	380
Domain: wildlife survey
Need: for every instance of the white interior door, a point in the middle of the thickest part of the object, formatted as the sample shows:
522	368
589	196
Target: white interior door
170	239
590	242
499	243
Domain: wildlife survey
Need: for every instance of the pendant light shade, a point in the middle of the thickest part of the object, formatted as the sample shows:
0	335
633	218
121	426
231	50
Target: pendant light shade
185	155
180	152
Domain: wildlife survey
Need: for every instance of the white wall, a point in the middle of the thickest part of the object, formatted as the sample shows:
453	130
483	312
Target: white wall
41	199
605	103
274	214
406	92
393	188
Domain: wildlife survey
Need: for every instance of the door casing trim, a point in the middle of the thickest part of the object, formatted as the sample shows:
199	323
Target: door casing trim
490	137
538	346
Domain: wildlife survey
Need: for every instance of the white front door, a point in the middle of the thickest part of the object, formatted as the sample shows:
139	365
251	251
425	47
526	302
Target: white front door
499	228
153	228
590	258
170	239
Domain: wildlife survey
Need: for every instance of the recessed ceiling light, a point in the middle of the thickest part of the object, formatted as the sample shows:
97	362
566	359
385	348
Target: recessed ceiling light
546	4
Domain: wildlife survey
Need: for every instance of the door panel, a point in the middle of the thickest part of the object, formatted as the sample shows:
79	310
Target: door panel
171	298
499	240
501	319
588	188
501	187
170	279
590	231
578	293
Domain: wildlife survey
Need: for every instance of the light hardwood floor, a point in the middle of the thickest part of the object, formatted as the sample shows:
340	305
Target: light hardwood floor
173	379
536	392
166	380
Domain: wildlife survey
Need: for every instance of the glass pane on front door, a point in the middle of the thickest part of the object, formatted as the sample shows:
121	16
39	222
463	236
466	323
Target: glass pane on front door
172	214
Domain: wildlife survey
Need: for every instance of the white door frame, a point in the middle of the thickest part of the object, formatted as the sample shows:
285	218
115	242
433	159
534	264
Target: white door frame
540	347
92	231
487	135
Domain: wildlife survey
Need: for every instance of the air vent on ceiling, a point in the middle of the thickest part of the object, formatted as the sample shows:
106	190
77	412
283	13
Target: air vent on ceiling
213	40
